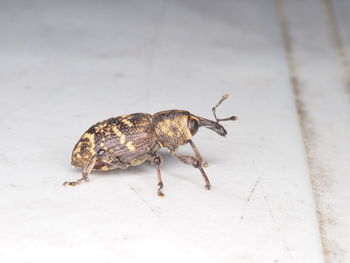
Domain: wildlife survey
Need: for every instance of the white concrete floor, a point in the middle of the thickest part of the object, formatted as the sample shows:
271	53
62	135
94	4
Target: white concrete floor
280	178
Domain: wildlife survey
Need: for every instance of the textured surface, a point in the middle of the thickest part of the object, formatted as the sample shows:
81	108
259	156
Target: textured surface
280	178
171	128
116	143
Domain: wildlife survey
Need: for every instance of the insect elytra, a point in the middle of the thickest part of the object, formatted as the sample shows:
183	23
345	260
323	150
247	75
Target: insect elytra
130	140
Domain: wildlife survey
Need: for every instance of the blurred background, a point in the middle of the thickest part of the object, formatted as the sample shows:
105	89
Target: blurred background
280	178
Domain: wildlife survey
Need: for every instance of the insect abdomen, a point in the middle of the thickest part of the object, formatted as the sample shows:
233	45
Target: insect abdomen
128	138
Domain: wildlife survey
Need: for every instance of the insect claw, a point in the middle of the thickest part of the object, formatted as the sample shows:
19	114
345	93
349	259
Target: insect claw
160	193
69	183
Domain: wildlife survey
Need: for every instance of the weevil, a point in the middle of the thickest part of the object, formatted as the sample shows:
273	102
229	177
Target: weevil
130	140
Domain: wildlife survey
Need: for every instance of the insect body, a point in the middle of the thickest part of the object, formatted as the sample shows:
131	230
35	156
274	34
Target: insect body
130	140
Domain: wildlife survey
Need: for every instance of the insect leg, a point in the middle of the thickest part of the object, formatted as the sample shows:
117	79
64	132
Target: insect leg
190	160
198	155
86	171
156	160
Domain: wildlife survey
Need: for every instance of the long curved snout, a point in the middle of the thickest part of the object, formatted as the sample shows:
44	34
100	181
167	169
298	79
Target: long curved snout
215	125
212	125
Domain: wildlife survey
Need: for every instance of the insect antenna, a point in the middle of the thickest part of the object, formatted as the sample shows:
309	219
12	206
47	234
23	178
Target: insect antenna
233	118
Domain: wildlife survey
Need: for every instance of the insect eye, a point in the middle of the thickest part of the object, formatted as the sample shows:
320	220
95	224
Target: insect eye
193	126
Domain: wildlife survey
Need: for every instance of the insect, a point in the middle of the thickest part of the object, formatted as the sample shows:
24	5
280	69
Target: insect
130	140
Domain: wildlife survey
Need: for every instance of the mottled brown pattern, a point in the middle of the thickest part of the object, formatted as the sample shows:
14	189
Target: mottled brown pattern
171	128
118	142
130	140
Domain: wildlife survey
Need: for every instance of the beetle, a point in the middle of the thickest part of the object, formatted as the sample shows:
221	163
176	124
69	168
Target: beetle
130	140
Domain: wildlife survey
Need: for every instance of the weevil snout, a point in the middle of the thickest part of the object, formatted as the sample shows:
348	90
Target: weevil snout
196	121
219	129
212	125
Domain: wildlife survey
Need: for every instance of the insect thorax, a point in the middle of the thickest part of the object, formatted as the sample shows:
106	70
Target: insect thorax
171	128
